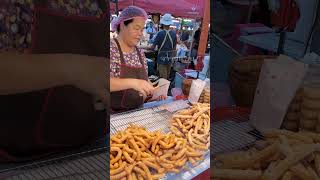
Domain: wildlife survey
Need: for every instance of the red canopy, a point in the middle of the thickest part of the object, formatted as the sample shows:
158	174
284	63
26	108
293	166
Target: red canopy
178	8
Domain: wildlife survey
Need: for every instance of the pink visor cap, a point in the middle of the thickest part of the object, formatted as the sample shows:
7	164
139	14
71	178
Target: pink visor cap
128	13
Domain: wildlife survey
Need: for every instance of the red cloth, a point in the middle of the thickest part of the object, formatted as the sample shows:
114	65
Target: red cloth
286	16
233	39
200	64
203	176
178	8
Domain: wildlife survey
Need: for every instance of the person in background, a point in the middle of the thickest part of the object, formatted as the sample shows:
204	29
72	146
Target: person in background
166	41
178	33
185	37
154	37
195	45
130	86
150	30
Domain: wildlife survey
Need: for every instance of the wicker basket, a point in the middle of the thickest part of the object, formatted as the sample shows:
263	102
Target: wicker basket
186	85
243	78
205	95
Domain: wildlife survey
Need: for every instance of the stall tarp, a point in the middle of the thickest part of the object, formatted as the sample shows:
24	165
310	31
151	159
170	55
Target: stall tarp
178	8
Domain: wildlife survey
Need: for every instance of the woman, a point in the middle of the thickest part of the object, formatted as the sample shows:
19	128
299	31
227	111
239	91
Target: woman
129	83
166	41
150	30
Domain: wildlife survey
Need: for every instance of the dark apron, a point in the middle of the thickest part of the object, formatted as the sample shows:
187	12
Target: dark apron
53	120
128	99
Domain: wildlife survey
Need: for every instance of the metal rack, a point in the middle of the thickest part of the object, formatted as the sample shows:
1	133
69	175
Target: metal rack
234	134
152	119
86	164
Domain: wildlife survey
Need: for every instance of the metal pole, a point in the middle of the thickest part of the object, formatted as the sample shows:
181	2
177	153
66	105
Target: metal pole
117	7
315	26
250	11
281	42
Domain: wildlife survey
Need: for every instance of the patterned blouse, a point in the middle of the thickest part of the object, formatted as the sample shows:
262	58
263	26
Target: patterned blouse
131	59
16	19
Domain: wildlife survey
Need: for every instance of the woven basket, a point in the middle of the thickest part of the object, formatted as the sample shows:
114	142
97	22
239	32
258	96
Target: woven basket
243	78
186	85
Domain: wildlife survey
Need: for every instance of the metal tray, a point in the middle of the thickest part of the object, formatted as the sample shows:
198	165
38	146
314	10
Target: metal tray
86	164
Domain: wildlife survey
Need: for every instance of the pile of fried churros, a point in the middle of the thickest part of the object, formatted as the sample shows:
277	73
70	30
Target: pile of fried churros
282	155
137	153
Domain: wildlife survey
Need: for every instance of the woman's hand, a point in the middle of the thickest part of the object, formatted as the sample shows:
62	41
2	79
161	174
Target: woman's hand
89	74
20	73
160	98
142	86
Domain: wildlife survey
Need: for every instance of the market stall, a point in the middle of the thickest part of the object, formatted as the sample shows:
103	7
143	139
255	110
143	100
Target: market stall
166	139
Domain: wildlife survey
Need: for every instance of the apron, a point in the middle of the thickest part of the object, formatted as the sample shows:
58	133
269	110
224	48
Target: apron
165	57
128	99
39	123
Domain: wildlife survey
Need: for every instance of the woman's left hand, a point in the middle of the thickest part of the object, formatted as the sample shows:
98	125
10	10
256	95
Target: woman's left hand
160	98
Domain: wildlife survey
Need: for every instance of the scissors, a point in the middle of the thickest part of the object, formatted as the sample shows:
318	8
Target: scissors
157	87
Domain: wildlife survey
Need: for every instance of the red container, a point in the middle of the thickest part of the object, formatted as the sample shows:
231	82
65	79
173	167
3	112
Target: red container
222	113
